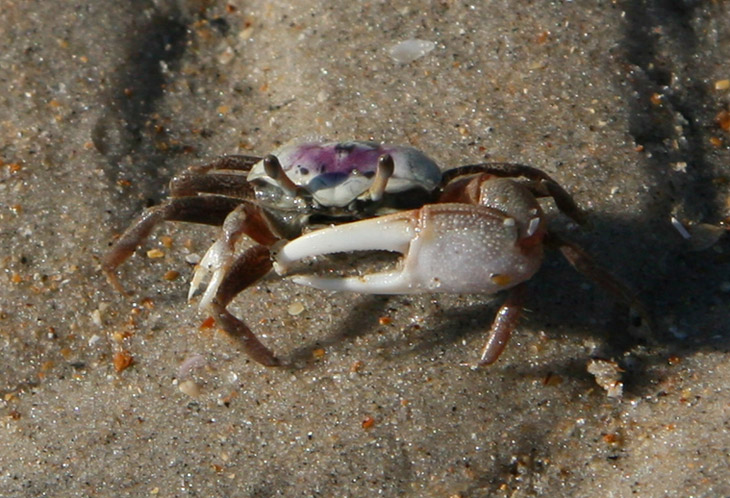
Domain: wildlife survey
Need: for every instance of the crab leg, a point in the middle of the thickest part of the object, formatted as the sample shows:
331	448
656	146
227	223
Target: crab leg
583	263
224	176
226	184
543	186
246	219
206	210
447	248
246	270
233	162
504	323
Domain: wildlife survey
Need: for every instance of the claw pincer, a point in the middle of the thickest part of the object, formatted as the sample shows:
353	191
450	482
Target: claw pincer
453	248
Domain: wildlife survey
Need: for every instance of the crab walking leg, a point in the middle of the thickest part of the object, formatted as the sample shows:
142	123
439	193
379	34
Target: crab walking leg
226	175
205	210
233	162
455	248
544	185
504	323
246	219
190	183
584	263
248	268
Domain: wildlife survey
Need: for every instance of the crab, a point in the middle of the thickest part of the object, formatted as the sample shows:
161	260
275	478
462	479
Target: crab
472	229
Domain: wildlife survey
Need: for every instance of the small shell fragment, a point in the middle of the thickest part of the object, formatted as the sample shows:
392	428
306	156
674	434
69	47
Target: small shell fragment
410	50
171	275
701	236
368	422
189	388
295	308
190	363
96	317
192	259
155	253
166	241
722	85
122	360
723	120
704	236
679	227
608	376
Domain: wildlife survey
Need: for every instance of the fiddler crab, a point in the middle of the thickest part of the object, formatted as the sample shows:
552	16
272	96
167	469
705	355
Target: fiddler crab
472	229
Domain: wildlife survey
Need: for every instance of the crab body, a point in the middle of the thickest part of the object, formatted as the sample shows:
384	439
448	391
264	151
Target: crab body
477	228
335	174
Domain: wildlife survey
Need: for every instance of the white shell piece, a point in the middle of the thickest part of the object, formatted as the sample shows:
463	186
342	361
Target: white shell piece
410	50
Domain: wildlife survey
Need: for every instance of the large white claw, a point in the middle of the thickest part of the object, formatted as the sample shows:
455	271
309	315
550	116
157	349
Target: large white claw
447	248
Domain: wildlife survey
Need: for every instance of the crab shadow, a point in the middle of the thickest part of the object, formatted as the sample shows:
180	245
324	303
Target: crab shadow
680	289
122	129
135	140
361	320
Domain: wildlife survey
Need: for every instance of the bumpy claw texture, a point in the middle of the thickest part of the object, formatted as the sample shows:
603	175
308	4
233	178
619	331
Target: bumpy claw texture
453	248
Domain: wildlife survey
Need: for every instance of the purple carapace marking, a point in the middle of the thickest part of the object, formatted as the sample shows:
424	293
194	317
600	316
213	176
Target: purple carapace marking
339	159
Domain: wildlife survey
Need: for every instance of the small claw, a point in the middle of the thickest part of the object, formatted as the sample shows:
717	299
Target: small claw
389	233
212	268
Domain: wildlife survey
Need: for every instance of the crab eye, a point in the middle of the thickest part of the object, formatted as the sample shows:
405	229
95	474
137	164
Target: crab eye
273	169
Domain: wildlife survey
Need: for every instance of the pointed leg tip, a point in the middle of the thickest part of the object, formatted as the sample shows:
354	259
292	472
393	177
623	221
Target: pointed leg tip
273	362
261	354
482	363
191	294
114	281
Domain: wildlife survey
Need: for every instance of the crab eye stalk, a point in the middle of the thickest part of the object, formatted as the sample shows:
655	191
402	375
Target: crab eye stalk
382	175
274	170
